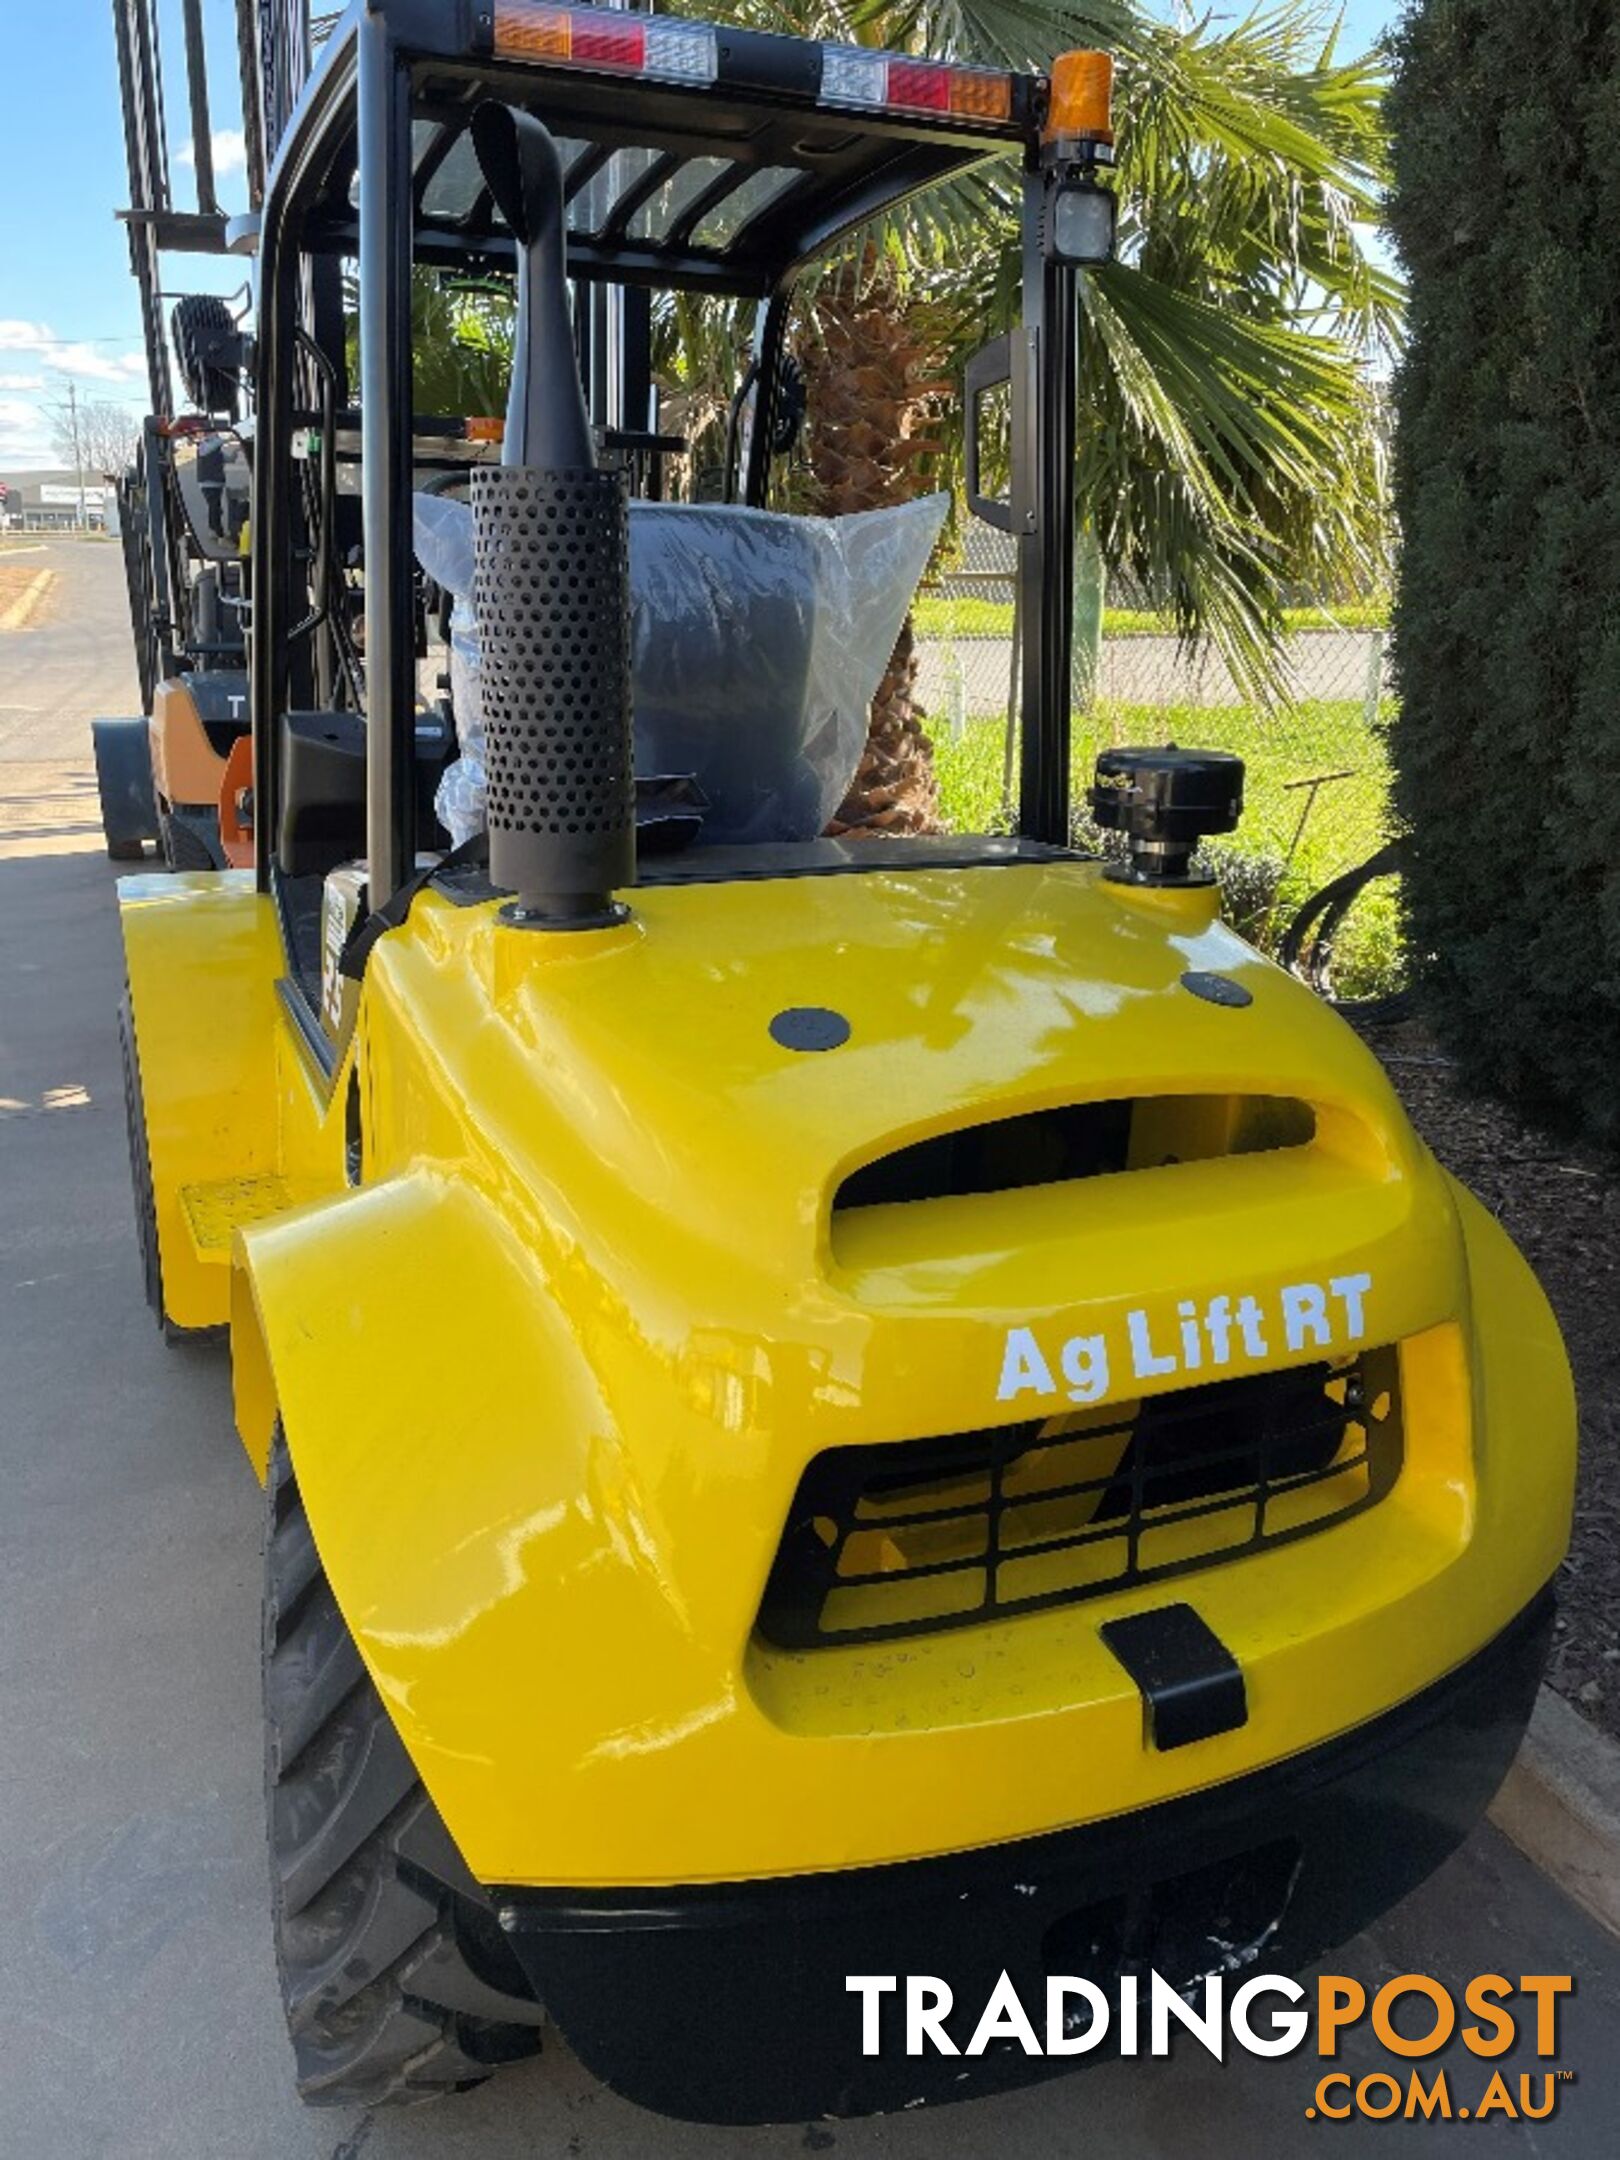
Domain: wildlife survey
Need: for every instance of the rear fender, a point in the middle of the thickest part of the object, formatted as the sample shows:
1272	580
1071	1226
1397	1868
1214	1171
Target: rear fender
202	954
453	1450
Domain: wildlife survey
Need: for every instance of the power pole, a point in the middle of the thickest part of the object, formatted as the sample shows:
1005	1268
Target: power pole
78	455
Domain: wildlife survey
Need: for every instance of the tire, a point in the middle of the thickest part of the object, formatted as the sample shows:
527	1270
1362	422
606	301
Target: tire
184	846
395	1977
124	788
140	1167
199	322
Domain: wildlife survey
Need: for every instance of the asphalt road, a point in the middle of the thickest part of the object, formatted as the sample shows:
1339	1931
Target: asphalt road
137	1990
74	661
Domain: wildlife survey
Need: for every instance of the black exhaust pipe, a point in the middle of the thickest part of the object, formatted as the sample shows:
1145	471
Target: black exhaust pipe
551	585
545	407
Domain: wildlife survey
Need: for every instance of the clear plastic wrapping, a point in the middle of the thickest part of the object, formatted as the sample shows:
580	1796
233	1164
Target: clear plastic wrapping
757	642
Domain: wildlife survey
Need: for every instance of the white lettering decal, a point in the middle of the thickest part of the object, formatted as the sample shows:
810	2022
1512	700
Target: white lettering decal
1203	1335
1085	1367
1350	1291
1145	1363
1218	1326
1023	1367
1192	1348
1305	1308
1248	1320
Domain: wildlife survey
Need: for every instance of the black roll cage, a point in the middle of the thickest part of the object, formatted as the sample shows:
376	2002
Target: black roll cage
348	180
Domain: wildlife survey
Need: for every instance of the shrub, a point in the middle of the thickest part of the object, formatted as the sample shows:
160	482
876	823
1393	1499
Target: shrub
1506	210
1251	890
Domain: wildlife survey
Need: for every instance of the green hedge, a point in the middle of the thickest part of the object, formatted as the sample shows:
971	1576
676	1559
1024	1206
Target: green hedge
1506	210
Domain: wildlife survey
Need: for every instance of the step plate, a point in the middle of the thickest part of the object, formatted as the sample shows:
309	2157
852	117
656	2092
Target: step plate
214	1211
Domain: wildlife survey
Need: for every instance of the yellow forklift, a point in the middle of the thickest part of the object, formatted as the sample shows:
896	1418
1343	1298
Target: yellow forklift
828	1409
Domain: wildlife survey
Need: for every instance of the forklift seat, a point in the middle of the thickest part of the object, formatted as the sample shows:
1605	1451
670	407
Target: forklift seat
322	820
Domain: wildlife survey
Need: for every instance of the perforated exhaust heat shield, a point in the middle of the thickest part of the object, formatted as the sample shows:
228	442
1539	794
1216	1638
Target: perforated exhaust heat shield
550	584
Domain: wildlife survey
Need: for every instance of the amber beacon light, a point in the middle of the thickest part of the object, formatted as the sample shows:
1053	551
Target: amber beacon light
1078	226
1081	105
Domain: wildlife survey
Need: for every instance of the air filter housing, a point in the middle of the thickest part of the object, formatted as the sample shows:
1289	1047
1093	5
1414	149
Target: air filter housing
1165	800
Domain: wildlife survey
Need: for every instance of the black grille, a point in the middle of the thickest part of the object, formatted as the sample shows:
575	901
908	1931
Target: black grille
914	1536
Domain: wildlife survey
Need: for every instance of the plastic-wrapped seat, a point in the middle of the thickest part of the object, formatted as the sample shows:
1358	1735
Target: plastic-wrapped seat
757	642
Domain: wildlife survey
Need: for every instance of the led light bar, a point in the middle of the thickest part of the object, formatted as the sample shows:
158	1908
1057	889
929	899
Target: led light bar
659	48
666	48
853	77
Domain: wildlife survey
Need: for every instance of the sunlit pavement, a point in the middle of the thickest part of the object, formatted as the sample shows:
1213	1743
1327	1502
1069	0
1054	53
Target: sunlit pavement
137	1989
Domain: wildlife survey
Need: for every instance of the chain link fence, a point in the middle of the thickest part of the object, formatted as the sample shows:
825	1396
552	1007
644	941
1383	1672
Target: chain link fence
1318	774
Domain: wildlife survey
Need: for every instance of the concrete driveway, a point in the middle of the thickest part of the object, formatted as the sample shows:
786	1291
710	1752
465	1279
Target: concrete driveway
137	1991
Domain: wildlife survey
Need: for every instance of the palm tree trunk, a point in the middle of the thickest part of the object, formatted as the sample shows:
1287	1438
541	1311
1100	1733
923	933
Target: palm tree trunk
870	368
894	790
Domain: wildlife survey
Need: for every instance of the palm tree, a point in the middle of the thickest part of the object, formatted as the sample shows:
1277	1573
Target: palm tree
1228	449
876	362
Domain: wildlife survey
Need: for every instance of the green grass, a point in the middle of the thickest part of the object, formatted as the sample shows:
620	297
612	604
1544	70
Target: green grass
1267	874
939	615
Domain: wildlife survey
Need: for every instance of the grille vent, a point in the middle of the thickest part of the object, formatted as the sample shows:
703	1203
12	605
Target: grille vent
915	1536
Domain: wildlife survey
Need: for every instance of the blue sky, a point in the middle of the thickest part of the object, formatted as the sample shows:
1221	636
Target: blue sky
67	302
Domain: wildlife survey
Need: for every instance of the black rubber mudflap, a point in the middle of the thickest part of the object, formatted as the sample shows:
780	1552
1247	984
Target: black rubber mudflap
396	1980
140	1164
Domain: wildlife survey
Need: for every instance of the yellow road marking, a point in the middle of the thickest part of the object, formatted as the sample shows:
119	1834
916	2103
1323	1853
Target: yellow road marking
16	616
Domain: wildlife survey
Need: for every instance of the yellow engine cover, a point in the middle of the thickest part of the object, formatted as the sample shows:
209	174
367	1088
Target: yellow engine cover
551	1372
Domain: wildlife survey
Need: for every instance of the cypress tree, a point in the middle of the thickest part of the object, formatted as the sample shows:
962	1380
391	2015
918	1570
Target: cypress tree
1506	211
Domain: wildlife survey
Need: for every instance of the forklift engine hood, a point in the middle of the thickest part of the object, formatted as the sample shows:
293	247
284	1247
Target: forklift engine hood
653	1217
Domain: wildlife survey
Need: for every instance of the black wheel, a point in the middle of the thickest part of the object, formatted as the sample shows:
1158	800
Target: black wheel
184	845
396	1979
124	787
204	332
140	1166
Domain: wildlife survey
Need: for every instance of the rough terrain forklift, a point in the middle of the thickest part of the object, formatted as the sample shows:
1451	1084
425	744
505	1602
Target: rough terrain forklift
828	1409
